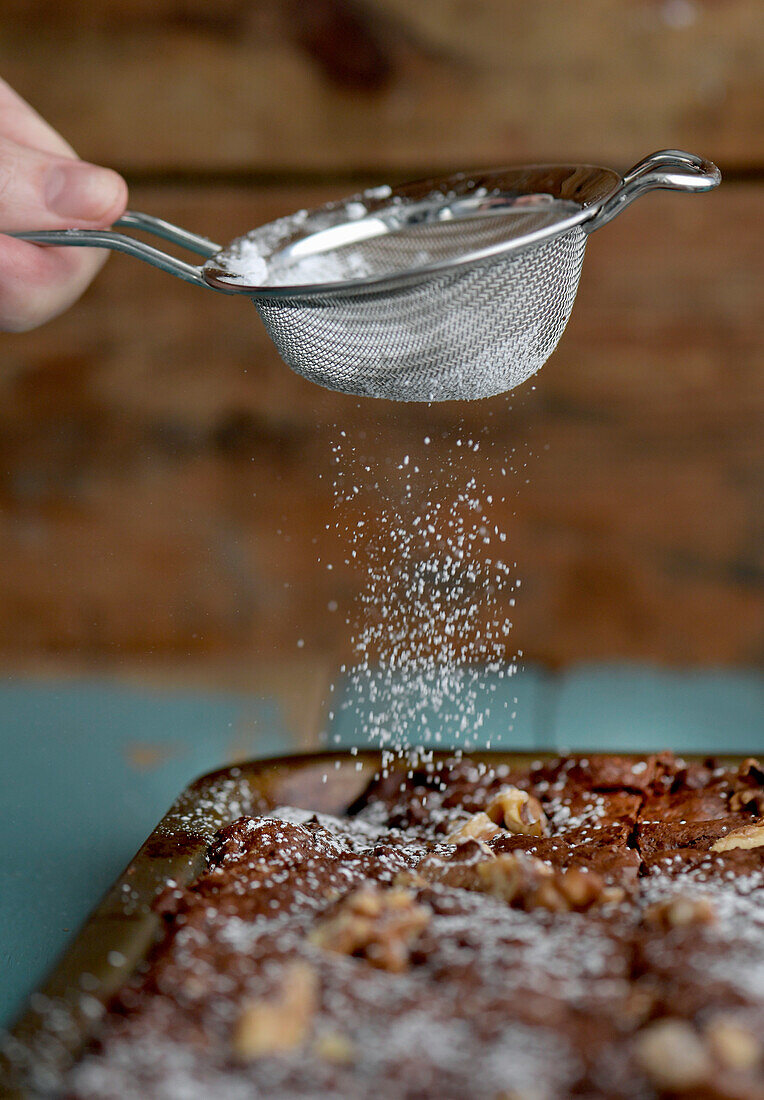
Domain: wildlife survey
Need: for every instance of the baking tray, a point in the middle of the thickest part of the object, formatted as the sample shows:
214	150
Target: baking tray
63	1014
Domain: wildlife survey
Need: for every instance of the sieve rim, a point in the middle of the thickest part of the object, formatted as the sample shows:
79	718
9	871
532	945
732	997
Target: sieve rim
595	185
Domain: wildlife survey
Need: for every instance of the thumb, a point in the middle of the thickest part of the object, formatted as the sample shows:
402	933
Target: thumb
40	191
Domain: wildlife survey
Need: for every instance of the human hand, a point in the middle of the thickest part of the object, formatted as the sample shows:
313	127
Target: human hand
43	185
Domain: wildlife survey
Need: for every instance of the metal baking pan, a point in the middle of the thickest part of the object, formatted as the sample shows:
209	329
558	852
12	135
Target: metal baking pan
64	1013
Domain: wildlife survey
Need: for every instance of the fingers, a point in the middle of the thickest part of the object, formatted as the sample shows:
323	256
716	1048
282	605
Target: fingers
40	191
36	284
43	191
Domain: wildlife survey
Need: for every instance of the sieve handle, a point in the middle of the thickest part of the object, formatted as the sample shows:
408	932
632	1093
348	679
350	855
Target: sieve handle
121	242
670	169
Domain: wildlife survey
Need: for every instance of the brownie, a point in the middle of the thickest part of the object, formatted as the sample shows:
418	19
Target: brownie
583	927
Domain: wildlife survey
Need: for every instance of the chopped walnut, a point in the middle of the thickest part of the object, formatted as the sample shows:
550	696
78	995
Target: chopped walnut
410	880
455	869
513	876
733	1044
334	1047
751	771
582	889
748	788
679	912
672	1056
749	800
280	1023
748	836
526	883
638	1005
518	812
576	889
478	827
377	925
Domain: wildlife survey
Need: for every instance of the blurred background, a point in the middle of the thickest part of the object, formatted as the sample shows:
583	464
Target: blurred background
166	483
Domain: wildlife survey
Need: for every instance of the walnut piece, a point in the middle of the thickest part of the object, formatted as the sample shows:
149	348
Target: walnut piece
334	1047
518	812
672	1056
679	912
478	827
638	1005
582	889
377	925
751	771
513	876
748	788
519	878
527	883
748	836
748	800
455	868
281	1023
734	1045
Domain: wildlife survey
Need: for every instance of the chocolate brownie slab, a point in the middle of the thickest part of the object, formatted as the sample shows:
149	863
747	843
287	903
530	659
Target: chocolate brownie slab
584	927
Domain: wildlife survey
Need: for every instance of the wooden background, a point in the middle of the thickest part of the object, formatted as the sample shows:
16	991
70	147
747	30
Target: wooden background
165	482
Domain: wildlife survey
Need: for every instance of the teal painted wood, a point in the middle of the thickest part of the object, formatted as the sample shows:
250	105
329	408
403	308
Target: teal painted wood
617	708
89	768
647	709
513	711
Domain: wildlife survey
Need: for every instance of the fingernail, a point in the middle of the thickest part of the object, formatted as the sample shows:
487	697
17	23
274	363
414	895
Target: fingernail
81	191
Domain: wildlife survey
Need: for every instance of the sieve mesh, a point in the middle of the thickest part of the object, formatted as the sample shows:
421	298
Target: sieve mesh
472	332
404	247
456	288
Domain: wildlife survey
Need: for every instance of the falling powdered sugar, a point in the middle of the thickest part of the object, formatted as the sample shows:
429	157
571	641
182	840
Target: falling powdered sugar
431	626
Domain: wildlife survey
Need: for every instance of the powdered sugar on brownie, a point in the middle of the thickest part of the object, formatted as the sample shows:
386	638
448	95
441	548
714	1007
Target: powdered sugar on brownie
318	954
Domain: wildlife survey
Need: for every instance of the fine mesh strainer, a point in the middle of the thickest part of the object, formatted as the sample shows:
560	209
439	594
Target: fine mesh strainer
454	288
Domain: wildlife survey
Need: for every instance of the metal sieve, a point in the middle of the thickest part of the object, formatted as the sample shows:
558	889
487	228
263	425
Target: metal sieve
453	288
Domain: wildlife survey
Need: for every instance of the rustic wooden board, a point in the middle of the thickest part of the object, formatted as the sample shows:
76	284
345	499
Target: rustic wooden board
165	482
388	85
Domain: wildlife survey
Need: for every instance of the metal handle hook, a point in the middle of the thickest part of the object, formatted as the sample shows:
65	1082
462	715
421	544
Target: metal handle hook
121	242
668	168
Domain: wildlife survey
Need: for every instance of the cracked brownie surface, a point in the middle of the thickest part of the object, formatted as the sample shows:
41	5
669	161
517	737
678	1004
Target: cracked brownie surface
583	927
